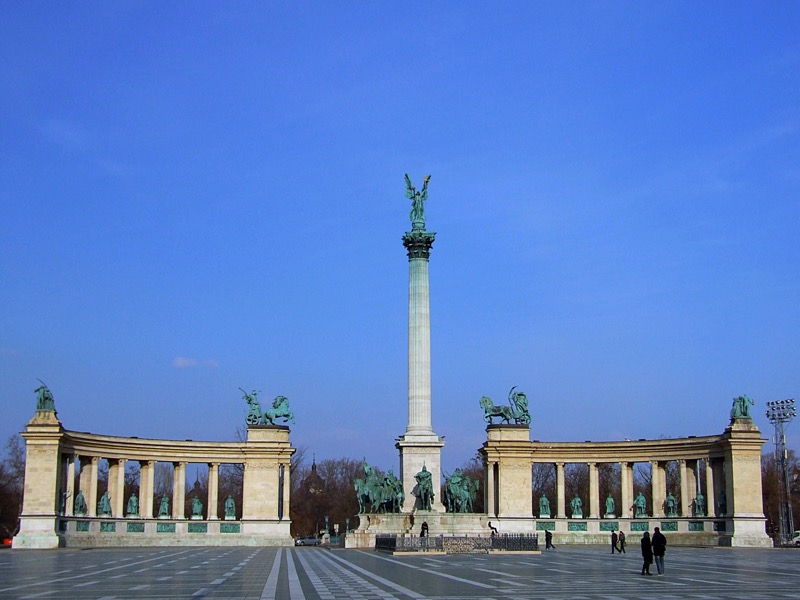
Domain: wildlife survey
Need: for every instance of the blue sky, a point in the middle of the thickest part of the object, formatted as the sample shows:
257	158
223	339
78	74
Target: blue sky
197	197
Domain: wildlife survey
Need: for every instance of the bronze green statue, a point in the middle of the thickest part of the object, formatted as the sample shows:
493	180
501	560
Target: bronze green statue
517	409
544	507
44	398
163	509
576	504
417	202
197	507
377	494
672	505
279	410
230	508
610	505
80	503
640	506
133	506
699	505
104	505
741	407
459	492
424	489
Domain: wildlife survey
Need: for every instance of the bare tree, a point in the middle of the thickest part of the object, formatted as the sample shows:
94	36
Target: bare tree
543	478
12	486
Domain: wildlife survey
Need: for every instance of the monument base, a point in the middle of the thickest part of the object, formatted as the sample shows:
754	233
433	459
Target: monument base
37	533
410	524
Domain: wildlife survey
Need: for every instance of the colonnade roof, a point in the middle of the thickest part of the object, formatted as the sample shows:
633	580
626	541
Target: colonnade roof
141	449
629	450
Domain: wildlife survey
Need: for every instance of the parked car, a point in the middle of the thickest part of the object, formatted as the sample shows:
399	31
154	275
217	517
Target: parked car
308	540
795	539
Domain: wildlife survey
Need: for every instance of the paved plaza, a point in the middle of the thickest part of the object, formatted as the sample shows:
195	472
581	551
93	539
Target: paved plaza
298	573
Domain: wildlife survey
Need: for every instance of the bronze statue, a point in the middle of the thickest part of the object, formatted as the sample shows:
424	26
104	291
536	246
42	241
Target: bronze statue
417	202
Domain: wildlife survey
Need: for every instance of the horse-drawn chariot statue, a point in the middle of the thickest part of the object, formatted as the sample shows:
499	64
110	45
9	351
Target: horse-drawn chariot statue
279	410
517	409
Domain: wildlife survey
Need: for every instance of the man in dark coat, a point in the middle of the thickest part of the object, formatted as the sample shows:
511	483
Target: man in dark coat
614	542
659	543
622	541
548	538
647	554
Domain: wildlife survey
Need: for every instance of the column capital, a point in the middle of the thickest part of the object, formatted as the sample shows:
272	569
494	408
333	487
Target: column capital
418	243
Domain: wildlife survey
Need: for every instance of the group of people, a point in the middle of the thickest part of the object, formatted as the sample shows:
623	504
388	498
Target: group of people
618	539
653	549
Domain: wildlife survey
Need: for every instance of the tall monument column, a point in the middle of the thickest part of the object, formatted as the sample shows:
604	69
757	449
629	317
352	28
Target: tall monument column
419	446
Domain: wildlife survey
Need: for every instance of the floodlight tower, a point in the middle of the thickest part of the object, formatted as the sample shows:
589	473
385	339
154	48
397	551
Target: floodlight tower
780	413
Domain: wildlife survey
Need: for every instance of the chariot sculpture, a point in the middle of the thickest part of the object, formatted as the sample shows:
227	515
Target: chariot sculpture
279	410
517	409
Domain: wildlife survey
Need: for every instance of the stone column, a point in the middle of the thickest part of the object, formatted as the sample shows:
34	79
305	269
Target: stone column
561	500
287	486
147	484
213	490
594	491
719	482
419	446
89	483
659	481
711	506
118	495
626	491
685	494
70	503
490	491
179	490
691	485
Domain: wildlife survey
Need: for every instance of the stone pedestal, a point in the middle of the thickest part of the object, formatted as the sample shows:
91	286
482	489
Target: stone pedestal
508	456
416	451
38	522
265	504
742	443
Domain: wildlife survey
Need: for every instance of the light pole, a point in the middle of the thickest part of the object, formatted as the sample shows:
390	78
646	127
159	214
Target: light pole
780	413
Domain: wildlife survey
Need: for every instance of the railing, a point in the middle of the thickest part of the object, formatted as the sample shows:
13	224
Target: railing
458	545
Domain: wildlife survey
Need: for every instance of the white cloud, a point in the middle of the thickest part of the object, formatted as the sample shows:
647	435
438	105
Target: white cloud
181	362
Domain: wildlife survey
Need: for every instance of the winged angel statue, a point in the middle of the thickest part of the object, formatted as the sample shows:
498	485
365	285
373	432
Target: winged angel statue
417	202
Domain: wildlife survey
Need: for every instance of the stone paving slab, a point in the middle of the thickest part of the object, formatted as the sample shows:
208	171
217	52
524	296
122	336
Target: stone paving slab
584	572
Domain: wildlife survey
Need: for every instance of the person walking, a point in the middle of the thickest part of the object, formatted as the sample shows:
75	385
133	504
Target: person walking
659	544
548	540
647	554
622	542
614	539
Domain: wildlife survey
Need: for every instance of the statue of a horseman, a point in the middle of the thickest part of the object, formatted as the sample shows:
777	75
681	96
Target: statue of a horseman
517	409
459	492
368	490
279	410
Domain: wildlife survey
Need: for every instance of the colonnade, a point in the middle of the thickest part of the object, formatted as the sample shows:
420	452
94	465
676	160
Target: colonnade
690	485
731	486
87	469
57	458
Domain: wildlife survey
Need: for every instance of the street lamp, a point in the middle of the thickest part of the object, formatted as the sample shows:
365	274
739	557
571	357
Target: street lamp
780	413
